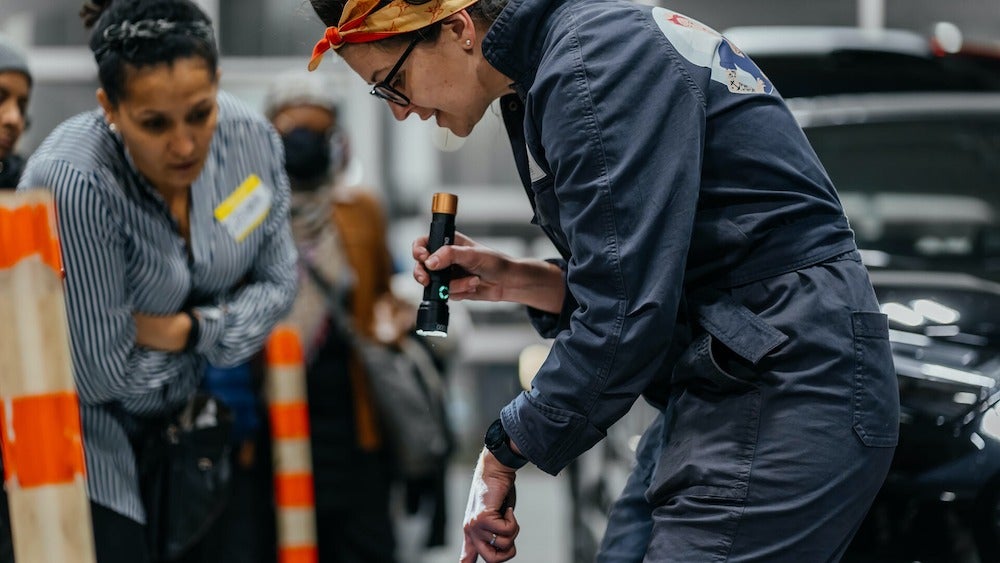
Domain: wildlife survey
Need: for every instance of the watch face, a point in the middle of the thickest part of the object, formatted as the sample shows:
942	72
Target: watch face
495	435
211	313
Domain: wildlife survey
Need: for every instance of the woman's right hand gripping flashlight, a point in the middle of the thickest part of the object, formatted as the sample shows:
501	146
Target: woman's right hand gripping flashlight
479	273
483	274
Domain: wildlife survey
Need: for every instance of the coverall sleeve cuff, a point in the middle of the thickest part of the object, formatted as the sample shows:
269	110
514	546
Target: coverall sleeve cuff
547	436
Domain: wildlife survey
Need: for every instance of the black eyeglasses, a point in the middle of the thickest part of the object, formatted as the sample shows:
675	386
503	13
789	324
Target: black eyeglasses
383	89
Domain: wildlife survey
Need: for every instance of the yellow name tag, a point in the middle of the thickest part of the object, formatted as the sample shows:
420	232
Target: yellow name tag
245	209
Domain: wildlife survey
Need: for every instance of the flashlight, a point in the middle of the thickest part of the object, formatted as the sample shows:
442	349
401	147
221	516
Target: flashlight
432	316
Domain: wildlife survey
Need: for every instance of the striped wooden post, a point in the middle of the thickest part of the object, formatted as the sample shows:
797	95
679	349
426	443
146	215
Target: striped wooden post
285	385
39	415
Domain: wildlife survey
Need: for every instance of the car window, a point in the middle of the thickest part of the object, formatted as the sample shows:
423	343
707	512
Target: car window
856	71
918	189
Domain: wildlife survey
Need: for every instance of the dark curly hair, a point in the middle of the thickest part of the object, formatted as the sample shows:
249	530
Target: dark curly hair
187	34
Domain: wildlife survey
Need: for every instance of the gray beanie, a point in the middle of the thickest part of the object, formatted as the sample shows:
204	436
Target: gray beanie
12	59
298	87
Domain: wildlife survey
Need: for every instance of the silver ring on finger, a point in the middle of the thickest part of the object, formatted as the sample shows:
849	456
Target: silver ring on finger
493	541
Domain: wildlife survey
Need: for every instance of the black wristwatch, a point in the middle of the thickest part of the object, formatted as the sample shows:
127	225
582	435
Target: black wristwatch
498	443
193	335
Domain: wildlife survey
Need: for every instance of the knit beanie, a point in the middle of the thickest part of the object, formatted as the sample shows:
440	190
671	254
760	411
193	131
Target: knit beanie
12	59
292	88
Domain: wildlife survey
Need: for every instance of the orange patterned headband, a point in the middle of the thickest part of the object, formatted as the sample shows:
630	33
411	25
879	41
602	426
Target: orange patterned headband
362	23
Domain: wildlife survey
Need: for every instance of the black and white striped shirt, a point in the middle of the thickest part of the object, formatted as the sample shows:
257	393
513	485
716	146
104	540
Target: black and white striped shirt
123	253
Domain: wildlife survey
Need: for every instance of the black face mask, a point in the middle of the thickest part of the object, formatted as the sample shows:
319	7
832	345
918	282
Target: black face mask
307	154
10	171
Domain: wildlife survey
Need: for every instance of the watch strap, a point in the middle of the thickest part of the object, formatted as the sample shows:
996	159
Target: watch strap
193	334
211	326
504	453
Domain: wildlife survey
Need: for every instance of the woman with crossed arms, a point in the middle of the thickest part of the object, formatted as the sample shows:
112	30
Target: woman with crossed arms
172	206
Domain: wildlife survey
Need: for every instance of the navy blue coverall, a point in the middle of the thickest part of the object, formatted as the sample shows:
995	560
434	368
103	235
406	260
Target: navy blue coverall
709	267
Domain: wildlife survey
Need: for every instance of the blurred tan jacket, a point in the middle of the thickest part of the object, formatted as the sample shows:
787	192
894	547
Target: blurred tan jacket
361	224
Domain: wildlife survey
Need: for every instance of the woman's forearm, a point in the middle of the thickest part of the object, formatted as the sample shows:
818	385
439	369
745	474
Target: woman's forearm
167	333
536	283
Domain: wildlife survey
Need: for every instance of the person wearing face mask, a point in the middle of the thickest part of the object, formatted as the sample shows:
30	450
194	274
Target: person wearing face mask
15	89
172	206
313	157
340	232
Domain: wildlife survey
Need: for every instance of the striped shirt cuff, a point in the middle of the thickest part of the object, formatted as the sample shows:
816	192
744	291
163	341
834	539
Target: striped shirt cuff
212	324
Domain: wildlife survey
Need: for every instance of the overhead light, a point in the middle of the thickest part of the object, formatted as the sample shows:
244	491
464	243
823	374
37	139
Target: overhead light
943	331
935	312
957	375
989	424
947	37
965	398
899	313
977	441
874	258
903	337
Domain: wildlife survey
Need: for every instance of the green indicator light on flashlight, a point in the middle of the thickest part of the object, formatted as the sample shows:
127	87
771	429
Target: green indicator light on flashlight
443	292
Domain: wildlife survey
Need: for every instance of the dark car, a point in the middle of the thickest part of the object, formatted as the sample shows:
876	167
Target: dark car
919	177
807	61
918	172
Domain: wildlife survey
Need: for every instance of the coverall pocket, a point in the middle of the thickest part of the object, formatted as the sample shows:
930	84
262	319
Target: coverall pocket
725	357
712	432
875	404
708	367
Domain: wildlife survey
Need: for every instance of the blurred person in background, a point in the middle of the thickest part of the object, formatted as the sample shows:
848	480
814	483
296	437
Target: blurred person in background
340	229
706	264
15	89
161	277
352	469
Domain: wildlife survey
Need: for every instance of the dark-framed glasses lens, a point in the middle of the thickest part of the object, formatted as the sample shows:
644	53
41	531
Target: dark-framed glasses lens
390	95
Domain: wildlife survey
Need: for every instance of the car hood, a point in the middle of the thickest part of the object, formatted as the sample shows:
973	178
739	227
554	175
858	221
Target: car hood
945	338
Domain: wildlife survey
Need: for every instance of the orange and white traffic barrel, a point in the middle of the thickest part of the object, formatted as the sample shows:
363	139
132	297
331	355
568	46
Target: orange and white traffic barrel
294	495
44	471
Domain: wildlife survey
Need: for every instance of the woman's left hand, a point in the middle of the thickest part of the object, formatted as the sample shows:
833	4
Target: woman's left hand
490	526
167	333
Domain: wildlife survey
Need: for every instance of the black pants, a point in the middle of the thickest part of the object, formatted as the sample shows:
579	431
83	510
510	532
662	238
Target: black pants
6	542
117	539
359	534
353	524
245	531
